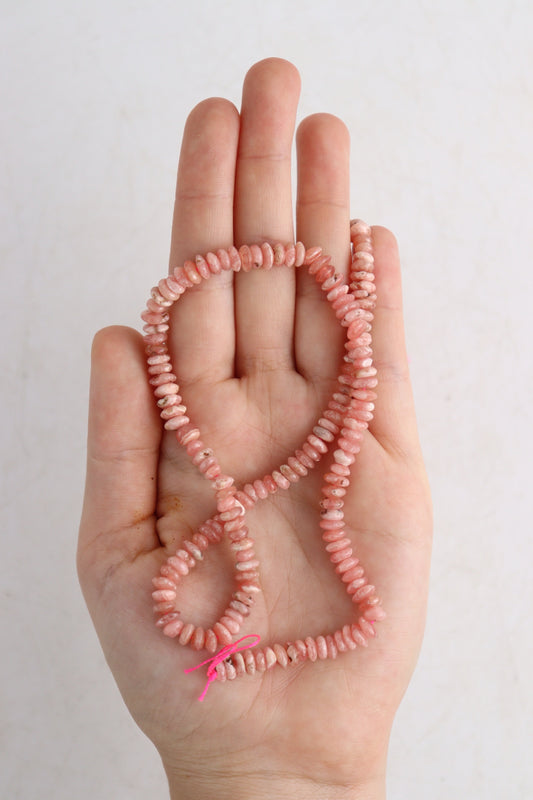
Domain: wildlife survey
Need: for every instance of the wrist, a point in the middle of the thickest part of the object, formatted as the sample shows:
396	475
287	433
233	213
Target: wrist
189	785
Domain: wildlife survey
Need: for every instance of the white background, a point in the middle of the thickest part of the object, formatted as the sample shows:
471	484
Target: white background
439	100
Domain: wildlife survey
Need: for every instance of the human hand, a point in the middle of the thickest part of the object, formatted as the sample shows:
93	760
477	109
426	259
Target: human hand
257	356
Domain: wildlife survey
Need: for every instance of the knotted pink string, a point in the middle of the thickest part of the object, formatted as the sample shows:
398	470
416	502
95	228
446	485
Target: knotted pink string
221	656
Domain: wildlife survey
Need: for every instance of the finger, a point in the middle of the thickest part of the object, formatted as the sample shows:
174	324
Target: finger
322	218
263	212
122	454
394	423
202	321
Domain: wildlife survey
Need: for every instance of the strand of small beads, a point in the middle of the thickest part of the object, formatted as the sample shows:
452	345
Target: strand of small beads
341	426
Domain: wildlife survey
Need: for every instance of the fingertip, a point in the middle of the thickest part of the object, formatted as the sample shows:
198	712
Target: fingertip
321	130
213	110
274	68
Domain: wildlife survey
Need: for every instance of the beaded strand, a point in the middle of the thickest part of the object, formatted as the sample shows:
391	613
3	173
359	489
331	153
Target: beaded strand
341	425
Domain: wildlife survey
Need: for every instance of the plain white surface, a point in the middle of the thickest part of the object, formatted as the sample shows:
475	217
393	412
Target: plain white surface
439	100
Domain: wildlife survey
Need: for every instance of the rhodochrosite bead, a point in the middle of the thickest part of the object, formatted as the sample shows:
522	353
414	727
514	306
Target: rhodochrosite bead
339	430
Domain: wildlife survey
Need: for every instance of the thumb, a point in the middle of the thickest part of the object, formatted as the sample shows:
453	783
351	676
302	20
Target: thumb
122	458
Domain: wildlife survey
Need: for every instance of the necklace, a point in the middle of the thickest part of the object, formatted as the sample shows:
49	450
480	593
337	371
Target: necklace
340	426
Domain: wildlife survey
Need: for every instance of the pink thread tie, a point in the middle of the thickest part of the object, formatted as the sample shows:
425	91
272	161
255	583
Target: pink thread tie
221	656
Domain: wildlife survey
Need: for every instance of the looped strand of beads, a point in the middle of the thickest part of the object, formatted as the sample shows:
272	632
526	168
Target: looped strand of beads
341	426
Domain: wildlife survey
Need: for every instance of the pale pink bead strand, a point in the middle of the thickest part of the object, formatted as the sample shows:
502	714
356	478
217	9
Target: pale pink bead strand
340	427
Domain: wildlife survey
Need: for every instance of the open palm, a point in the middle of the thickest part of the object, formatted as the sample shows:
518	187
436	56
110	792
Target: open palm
257	356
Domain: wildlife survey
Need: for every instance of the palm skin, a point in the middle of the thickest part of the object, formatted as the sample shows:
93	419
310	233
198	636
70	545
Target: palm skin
257	356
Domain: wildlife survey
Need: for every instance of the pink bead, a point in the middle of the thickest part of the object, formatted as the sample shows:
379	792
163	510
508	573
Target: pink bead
299	256
211	641
230	624
338	545
257	256
374	614
281	655
321	647
215	267
174	423
270	657
324	273
246	258
231	672
270	484
186	633
178	565
342	555
367	629
173	629
163	583
331	283
198	639
318	444
222	633
331	524
331	503
189	268
356	584
250	491
290	255
260	489
155	338
202	267
311	648
260	662
165	389
239	608
333	491
289	473
172	411
180	276
343	458
163	359
334	535
349	446
280	480
352	574
158	369
312	254
318	264
297	466
363	593
166	618
311	451
225	261
304	459
331	646
187	435
358	637
235	259
193	550
347	564
237	617
348	638
163	379
341	470
339	641
279	254
164	595
249	661
268	256
323	433
238	663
